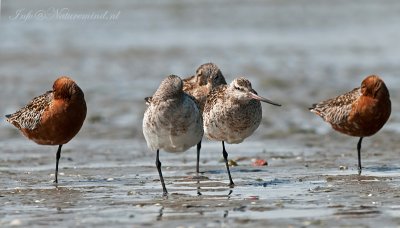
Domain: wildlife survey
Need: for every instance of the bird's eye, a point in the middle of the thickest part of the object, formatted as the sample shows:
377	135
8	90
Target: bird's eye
239	88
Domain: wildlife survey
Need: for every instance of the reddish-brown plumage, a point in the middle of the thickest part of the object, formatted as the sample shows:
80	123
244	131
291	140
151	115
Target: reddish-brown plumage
53	118
361	112
62	115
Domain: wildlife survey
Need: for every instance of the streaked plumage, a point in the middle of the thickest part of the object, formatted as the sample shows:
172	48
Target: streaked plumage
232	113
53	118
361	112
208	76
172	121
29	116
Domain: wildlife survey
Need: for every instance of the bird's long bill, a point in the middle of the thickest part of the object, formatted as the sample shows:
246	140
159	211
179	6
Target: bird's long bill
255	96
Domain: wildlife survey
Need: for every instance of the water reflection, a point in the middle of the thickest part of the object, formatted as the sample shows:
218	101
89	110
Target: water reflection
160	214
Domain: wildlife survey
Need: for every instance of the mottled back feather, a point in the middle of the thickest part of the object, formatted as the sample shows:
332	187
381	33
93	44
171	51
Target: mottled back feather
29	116
337	110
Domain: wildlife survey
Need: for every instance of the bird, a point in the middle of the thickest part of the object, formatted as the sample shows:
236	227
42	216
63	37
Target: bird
208	76
54	117
362	112
172	121
232	113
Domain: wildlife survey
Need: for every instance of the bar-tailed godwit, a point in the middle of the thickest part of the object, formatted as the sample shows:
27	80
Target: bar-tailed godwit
172	120
53	118
208	76
232	113
361	112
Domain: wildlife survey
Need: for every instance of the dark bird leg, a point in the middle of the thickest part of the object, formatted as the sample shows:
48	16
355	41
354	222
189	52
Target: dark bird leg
359	155
58	155
158	164
225	154
198	157
197	168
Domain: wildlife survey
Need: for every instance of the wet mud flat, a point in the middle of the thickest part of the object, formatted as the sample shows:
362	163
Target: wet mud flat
294	52
115	183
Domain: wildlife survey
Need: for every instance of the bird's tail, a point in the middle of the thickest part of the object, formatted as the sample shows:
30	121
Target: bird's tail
312	107
7	119
148	100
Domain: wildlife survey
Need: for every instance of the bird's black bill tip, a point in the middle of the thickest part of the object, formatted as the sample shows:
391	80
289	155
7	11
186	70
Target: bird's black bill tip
263	99
8	115
271	102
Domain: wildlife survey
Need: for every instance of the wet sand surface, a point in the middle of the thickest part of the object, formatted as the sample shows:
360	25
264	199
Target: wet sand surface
295	53
114	182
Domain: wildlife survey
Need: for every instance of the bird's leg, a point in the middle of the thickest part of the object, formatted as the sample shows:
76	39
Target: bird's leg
225	154
359	155
198	157
197	168
158	164
58	155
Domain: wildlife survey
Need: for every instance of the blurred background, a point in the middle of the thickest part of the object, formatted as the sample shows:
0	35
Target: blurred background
294	52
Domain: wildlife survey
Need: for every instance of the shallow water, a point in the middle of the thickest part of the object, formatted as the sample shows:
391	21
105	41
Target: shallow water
102	184
294	52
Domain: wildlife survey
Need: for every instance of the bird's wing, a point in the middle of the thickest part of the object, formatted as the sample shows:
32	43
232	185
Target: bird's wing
336	110
29	116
